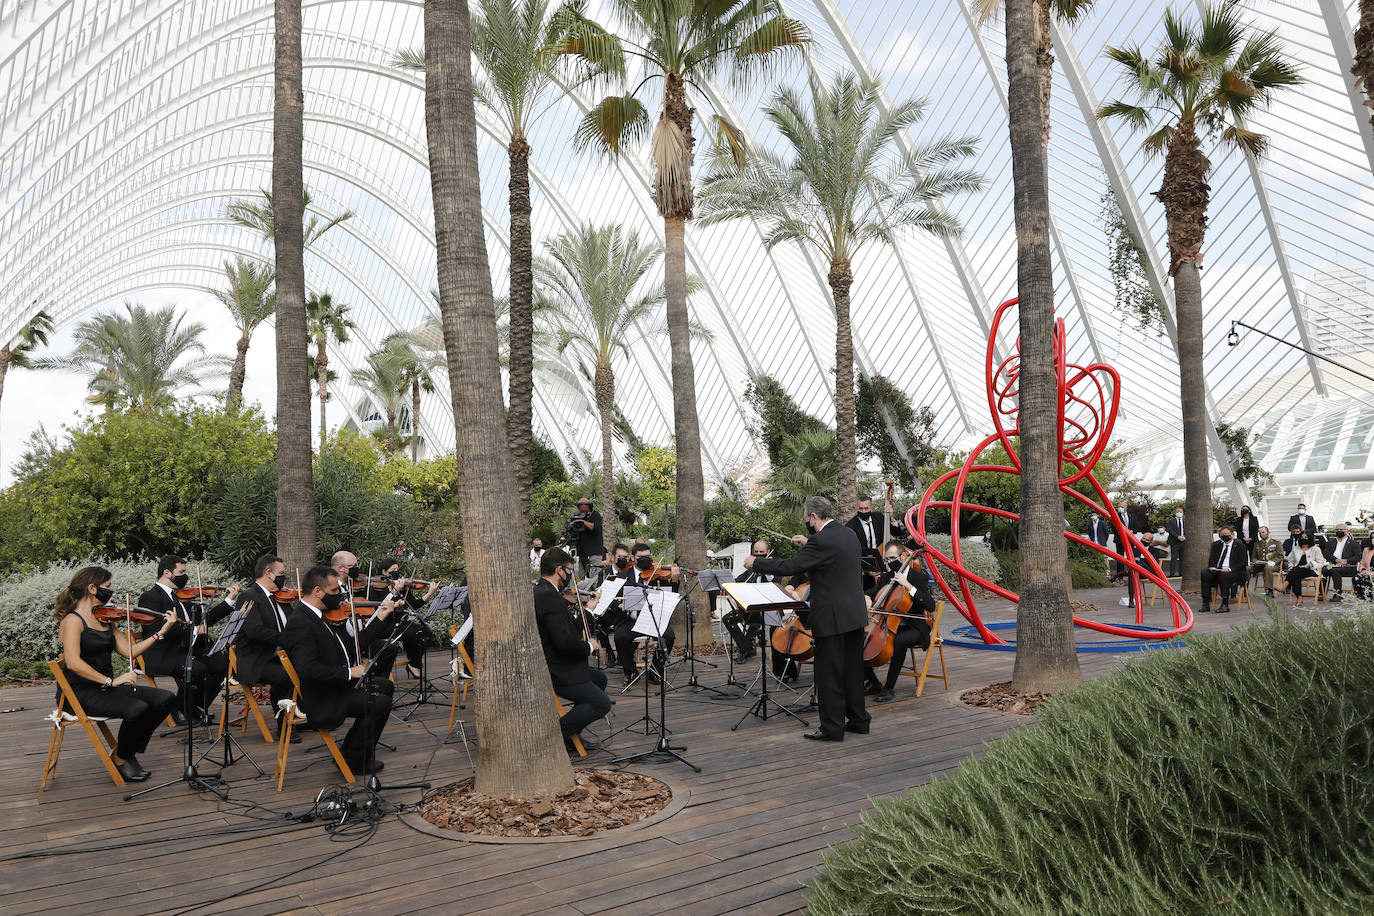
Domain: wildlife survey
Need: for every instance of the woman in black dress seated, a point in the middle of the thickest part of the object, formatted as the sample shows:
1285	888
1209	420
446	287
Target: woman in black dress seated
87	647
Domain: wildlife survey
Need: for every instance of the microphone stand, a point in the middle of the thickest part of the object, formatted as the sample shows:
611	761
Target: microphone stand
689	654
373	783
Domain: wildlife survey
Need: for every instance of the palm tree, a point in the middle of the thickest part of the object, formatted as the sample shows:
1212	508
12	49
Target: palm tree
806	467
1046	658
18	353
842	186
1363	67
251	299
385	381
325	319
595	276
142	360
1206	77
261	217
418	356
521	753
682	43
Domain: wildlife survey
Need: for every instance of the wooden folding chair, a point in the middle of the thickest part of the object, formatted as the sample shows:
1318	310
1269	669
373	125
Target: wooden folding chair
250	704
577	739
61	718
1157	592
1318	588
141	670
460	660
292	715
937	646
1242	595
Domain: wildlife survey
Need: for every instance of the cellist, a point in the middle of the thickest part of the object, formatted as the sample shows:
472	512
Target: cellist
911	631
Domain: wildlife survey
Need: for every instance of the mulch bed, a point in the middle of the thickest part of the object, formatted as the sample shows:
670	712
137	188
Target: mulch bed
601	800
1005	699
1082	608
714	648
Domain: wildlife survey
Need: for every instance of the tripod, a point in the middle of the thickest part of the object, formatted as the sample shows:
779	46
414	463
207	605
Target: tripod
425	692
229	741
689	654
369	743
760	707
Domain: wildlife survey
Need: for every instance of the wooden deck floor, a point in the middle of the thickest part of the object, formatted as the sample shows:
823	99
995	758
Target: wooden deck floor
761	812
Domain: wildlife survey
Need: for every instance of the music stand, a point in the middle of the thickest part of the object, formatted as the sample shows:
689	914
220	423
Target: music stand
651	622
227	638
758	598
423	694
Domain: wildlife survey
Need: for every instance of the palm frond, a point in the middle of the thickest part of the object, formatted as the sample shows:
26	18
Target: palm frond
616	121
412	59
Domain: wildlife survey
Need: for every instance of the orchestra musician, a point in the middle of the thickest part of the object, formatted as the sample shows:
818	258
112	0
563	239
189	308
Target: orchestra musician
168	657
417	637
838	616
345	566
565	649
747	629
260	636
330	671
871	537
87	649
911	631
624	634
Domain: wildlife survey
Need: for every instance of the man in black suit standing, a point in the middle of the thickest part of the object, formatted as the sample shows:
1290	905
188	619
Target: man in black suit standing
565	650
872	537
830	557
260	636
168	657
1178	534
1306	523
1344	553
1227	567
330	687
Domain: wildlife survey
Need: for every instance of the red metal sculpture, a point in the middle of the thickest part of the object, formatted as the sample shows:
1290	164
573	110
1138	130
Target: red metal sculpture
1088	401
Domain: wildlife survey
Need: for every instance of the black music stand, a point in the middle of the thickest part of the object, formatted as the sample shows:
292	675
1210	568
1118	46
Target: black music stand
423	693
373	783
689	654
225	641
663	746
757	598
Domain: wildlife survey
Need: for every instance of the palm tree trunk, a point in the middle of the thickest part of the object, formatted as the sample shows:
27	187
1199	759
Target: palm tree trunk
604	383
847	486
1044	65
390	432
234	396
1185	195
5	354
295	488
415	421
521	752
1046	659
322	382
690	527
520	418
1363	68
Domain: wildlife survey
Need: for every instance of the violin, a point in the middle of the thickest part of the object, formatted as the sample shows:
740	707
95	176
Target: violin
200	592
286	595
668	574
349	609
110	613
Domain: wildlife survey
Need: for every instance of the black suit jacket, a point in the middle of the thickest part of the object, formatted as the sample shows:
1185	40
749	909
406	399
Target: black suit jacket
565	650
1237	562
1133	521
831	561
1307	523
879	536
260	636
1351	554
322	655
1172	526
169	653
1099	531
1253	534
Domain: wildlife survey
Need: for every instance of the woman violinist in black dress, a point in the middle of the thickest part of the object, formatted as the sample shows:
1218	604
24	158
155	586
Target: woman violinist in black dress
87	649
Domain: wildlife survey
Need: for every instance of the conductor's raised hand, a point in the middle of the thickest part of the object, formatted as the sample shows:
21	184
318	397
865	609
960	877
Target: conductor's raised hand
799	540
749	561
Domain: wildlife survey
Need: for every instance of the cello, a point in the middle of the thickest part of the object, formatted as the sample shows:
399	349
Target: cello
793	639
891	603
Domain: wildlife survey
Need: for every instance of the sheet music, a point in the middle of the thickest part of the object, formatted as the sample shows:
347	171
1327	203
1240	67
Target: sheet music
610	589
710	580
658	610
748	594
463	631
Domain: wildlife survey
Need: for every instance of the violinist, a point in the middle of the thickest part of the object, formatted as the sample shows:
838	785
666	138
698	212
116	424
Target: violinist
622	567
87	649
911	631
636	581
566	651
345	566
169	656
746	629
330	672
417	637
260	637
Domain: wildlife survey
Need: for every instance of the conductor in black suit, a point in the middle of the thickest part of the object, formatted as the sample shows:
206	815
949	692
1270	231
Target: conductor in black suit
260	636
330	687
830	557
565	650
168	657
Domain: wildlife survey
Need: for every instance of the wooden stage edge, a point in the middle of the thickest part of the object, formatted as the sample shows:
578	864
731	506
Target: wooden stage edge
765	807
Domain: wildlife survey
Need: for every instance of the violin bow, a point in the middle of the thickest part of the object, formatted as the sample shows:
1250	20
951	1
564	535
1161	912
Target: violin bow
129	637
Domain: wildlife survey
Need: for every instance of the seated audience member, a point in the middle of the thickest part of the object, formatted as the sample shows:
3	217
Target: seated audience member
1291	543
1266	558
1305	562
1343	553
1226	568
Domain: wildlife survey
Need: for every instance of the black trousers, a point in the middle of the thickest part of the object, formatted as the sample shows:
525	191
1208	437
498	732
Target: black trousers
839	663
744	629
625	646
369	709
903	641
140	708
589	703
207	676
1296	575
278	683
1176	559
1226	581
1334	575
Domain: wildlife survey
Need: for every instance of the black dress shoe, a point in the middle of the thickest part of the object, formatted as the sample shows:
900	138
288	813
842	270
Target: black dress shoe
132	770
295	736
178	717
1224	609
1205	609
883	696
822	736
857	729
873	689
364	769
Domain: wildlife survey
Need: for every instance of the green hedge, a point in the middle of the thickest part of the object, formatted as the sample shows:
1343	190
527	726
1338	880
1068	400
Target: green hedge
1236	776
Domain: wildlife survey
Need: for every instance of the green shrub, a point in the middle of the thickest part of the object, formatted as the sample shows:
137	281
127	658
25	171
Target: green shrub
978	557
28	631
1233	777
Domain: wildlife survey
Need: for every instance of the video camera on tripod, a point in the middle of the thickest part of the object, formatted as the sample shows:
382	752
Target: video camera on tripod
573	531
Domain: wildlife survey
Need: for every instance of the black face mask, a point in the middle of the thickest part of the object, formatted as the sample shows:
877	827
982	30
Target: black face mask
644	564
332	602
279	580
103	594
760	555
894	565
1226	537
353	571
181	580
865	515
622	562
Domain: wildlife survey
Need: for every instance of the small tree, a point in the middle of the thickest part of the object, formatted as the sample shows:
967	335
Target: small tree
325	320
251	300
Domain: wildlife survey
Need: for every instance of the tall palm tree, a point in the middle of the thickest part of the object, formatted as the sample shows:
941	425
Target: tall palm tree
595	276
325	319
418	356
1046	658
1207	78
385	381
521	753
1363	67
682	43
251	300
141	360
18	353
261	217
841	186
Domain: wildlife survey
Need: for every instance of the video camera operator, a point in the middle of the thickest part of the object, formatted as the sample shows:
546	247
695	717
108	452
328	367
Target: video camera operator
583	531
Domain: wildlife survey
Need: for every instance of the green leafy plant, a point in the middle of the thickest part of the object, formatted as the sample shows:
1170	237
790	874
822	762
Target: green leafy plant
900	437
1126	264
1244	466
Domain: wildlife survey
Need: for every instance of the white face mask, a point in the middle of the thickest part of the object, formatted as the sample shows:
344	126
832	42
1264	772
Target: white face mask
1178	515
